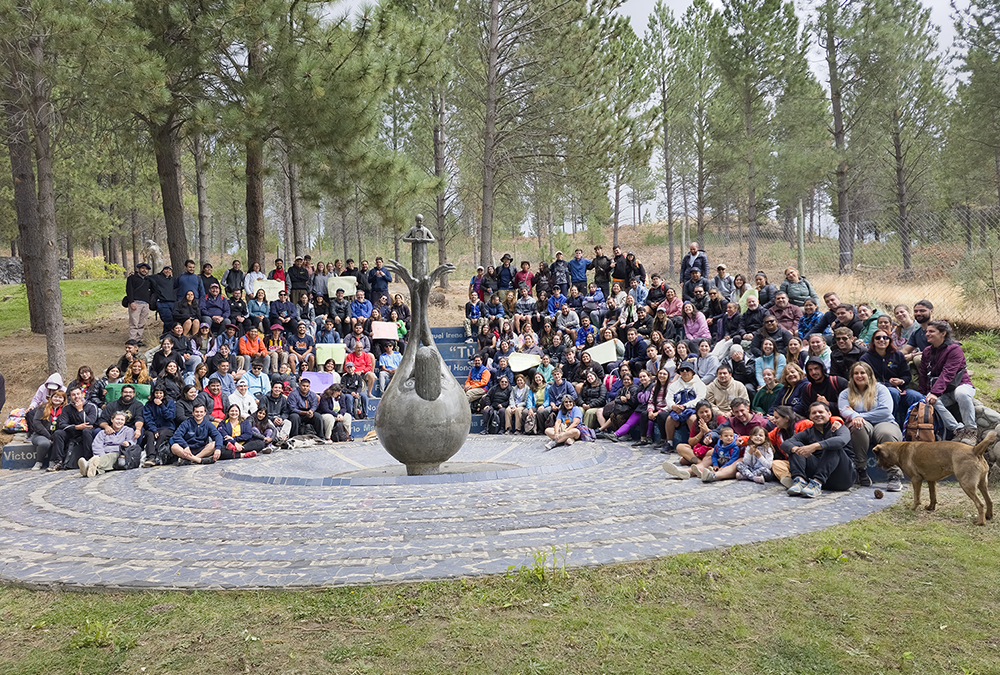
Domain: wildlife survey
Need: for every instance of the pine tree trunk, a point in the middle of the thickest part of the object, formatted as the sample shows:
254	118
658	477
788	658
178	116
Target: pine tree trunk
295	199
845	237
618	190
169	174
284	193
204	246
357	224
124	247
753	229
668	177
255	203
26	207
901	199
812	212
439	171
684	222
489	137
965	217
69	253
47	274
343	232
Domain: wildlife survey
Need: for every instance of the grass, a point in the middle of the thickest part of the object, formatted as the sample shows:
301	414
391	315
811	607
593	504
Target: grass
896	591
82	300
982	354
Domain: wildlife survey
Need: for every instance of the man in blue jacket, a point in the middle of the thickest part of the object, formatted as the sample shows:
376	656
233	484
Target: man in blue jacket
196	440
189	281
215	309
361	309
303	404
378	279
578	271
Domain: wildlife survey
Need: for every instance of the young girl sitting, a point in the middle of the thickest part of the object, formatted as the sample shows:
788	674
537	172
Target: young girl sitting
756	462
720	464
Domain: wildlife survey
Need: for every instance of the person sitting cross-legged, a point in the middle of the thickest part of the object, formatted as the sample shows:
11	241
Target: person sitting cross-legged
197	440
819	457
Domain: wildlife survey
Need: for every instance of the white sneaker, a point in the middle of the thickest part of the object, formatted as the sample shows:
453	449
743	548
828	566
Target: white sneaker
92	466
37	467
786	481
82	465
550	445
676	471
697	471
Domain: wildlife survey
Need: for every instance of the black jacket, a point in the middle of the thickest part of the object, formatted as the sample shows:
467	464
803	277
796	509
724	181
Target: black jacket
498	397
595	397
602	269
275	407
139	288
163	287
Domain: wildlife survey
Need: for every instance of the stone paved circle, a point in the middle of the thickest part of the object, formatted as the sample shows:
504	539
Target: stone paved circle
237	525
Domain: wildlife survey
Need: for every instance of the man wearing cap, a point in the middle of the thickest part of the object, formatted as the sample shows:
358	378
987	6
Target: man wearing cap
138	296
694	260
379	279
354	385
258	384
164	295
695	280
559	269
215	309
724	283
505	275
657	292
601	264
282	312
298	278
476	283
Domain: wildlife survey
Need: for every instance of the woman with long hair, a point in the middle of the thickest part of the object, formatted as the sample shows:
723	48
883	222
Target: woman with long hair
159	422
187	312
171	380
259	309
263	429
136	373
892	370
695	325
251	278
701	434
793	381
237	436
944	378
42	422
765	290
84	380
769	358
794	353
866	406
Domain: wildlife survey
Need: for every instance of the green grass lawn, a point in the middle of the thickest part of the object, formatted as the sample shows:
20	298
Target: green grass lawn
82	299
893	592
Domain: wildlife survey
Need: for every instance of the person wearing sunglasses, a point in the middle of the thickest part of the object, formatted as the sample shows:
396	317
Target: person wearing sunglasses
891	369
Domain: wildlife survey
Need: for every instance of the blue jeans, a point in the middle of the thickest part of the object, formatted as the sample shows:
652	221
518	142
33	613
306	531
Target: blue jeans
166	312
902	402
189	366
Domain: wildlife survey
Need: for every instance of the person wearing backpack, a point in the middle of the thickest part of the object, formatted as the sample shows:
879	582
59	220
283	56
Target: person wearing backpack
866	406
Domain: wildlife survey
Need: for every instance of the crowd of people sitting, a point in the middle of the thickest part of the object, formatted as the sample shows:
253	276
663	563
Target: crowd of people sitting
229	379
742	380
745	381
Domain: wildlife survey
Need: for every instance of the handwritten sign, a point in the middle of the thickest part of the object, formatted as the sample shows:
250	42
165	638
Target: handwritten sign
384	330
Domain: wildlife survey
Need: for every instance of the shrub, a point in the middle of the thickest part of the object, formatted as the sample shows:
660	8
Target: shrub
96	268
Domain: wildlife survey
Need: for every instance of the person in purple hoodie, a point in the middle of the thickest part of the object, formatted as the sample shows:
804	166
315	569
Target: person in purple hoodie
944	379
108	444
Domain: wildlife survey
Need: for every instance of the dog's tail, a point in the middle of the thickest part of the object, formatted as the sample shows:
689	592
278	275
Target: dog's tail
984	444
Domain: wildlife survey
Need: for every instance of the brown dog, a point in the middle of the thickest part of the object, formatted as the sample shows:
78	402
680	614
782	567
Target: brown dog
926	461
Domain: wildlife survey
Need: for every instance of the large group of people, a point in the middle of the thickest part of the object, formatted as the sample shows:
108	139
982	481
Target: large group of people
229	378
742	380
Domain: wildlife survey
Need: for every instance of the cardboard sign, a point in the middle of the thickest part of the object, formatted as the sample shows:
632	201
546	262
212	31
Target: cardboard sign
604	352
320	382
349	284
384	330
337	352
521	362
113	392
271	288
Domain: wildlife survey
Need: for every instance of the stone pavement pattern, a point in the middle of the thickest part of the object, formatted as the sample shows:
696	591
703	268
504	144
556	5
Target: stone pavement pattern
235	525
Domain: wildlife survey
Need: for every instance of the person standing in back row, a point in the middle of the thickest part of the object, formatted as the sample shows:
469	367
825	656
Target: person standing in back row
694	260
138	297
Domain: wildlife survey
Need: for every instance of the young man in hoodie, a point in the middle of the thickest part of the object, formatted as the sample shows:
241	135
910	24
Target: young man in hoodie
845	352
821	387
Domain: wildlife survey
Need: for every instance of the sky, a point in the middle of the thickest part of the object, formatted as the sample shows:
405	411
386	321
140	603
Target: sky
638	11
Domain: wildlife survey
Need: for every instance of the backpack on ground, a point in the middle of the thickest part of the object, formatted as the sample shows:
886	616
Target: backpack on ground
529	423
920	423
130	457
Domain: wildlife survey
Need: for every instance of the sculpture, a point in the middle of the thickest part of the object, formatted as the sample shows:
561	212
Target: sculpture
424	416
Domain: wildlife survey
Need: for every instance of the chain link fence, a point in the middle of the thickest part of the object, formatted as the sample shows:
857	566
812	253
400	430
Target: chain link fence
950	257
